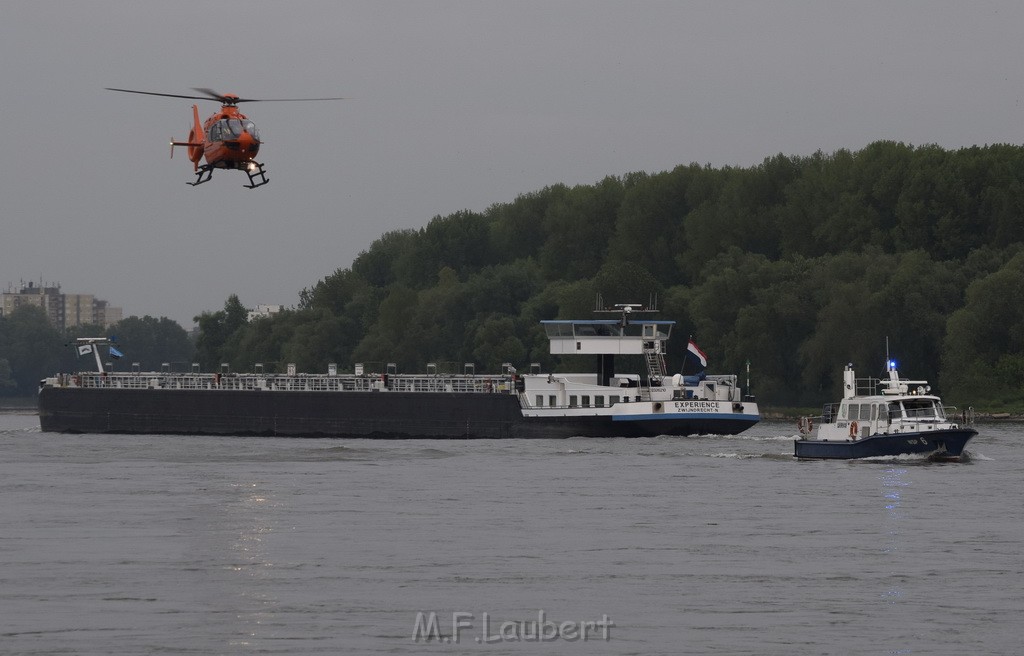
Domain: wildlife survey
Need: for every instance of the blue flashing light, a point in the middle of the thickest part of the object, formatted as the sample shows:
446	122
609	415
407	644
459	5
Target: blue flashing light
892	364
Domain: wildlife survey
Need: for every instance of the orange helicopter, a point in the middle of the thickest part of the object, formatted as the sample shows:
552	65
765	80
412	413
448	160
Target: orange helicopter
228	139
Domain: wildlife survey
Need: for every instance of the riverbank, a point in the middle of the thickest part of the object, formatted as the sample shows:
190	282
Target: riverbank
17	405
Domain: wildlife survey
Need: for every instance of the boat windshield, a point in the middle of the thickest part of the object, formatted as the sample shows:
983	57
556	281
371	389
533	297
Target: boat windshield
921	409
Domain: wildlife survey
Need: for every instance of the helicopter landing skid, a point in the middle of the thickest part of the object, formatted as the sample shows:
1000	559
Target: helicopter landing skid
203	174
257	176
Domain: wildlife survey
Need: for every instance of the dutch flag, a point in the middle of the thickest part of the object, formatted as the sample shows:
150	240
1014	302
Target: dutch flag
695	351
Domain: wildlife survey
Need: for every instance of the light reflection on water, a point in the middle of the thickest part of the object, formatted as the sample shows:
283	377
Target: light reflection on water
893	479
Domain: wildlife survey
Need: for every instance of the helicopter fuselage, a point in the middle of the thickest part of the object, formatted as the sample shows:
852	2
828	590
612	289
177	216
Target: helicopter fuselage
230	139
227	140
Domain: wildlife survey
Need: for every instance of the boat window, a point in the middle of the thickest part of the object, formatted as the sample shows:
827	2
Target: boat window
874	411
895	412
865	411
572	401
540	400
842	411
919	408
586	401
613	399
599	401
558	329
551	401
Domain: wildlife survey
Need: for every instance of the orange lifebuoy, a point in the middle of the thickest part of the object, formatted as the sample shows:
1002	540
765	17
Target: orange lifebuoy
853	429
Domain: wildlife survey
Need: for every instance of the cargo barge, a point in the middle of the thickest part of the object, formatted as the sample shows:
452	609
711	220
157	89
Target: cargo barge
602	403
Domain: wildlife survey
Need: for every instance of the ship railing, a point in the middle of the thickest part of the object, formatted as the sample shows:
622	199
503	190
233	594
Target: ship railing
829	412
964	417
463	383
868	386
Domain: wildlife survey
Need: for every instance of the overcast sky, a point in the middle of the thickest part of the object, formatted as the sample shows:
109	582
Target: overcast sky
453	105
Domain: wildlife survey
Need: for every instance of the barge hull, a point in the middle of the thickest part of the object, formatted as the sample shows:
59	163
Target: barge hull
384	414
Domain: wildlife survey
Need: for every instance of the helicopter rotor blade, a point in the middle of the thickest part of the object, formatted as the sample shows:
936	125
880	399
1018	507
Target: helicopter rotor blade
210	94
153	93
285	99
234	99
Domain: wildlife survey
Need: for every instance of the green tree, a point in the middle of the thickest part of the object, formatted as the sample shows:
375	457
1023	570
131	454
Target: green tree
495	342
31	346
985	338
580	225
7	382
151	342
219	334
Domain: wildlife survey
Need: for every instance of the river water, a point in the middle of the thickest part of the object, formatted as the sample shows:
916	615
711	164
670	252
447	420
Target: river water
139	544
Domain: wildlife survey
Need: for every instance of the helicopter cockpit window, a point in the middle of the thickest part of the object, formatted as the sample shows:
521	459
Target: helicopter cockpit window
232	129
250	127
219	131
237	126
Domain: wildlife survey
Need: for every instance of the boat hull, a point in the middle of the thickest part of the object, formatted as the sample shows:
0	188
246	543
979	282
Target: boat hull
948	442
379	414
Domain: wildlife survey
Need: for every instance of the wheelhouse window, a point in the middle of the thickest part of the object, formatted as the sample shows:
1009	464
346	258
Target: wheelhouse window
919	408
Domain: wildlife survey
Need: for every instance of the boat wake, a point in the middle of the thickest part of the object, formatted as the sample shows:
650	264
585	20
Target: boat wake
751	456
916	459
764	438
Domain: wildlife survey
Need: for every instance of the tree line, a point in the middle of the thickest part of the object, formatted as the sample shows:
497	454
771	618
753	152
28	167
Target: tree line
798	265
32	349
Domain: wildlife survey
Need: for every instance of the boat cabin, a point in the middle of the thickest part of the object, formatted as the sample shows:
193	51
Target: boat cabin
604	339
872	406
